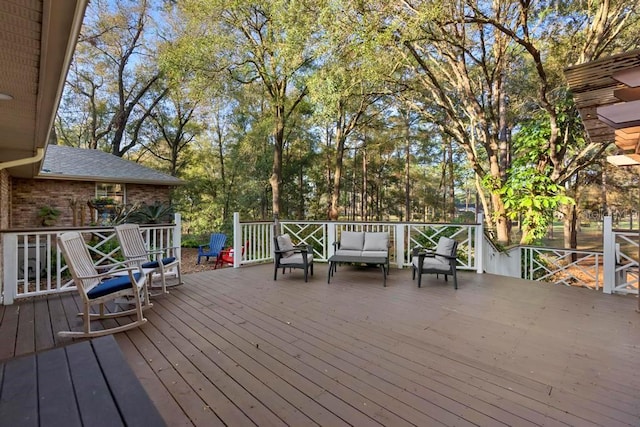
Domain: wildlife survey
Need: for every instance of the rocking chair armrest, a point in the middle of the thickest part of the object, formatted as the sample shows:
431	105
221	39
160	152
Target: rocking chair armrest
108	273
114	265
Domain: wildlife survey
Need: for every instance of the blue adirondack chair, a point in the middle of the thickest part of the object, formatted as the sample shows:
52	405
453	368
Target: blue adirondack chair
216	243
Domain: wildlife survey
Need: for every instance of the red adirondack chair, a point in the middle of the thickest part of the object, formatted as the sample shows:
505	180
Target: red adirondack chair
227	255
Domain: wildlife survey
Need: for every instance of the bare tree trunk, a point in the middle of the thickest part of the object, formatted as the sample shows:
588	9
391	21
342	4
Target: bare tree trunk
451	183
407	168
364	202
276	176
334	212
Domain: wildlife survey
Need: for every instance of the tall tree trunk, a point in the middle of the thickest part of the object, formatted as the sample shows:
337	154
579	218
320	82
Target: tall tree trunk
406	114
276	176
407	175
364	202
334	211
451	183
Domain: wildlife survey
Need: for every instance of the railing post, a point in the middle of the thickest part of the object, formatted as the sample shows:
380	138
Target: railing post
9	268
177	234
237	240
609	255
479	249
400	256
331	238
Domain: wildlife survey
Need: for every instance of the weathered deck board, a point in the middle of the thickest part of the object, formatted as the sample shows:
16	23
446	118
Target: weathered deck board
88	383
234	347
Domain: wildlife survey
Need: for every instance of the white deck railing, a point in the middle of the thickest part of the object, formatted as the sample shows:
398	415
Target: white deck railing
569	267
322	234
620	259
563	266
33	265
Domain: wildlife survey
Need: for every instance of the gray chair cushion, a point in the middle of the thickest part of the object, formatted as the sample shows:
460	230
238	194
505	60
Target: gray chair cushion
353	240
432	264
445	247
296	258
376	241
285	244
382	254
348	252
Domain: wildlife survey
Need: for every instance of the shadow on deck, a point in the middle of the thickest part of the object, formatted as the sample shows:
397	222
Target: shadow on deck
234	347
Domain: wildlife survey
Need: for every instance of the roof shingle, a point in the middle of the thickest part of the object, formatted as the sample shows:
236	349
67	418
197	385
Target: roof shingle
61	162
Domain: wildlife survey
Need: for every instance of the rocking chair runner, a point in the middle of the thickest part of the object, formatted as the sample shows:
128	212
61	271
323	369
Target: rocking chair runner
99	288
136	253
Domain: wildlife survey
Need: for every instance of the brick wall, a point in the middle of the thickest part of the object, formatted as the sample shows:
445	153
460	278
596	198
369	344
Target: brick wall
70	197
149	194
5	199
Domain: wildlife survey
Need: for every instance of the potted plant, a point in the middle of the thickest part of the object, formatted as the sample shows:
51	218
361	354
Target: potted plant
48	215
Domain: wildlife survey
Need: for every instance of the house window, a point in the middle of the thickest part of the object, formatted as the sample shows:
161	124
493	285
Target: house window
116	192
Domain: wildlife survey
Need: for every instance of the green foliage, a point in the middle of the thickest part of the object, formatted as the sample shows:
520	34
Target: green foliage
158	213
192	241
248	76
48	215
533	197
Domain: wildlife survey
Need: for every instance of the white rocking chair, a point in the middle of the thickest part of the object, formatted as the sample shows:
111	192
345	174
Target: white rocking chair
135	252
97	288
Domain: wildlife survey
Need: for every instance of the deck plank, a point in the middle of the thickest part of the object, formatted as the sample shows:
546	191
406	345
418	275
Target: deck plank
9	331
128	393
195	409
19	393
95	403
55	390
26	329
171	412
42	325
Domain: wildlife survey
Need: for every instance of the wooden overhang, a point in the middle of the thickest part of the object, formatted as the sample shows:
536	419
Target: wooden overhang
607	94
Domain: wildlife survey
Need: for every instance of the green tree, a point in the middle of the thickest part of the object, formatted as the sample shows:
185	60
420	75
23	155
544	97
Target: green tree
255	42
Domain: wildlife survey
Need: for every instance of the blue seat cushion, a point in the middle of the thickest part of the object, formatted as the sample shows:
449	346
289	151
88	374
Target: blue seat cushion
154	264
112	285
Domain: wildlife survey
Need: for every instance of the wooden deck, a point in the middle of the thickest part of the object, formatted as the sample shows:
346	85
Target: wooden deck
233	347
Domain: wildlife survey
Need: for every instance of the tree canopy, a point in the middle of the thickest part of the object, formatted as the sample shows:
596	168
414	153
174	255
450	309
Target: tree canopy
343	109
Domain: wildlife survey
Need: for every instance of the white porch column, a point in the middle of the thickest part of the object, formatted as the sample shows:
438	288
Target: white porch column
331	238
9	268
177	234
609	255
